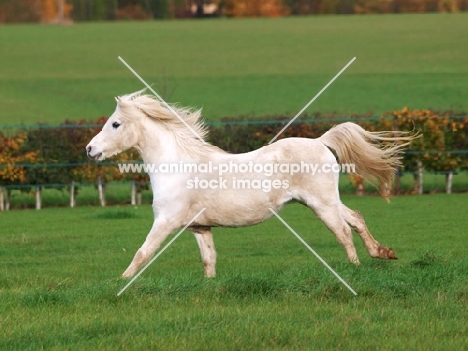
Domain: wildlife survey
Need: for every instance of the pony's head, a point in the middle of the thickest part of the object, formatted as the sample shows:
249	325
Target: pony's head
120	132
125	128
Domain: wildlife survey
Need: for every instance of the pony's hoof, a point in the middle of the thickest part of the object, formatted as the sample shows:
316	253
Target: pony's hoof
387	253
126	275
391	254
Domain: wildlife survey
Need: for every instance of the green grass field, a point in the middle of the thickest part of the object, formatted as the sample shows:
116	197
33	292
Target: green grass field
248	67
60	268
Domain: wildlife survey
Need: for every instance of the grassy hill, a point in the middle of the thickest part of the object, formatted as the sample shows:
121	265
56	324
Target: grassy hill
235	67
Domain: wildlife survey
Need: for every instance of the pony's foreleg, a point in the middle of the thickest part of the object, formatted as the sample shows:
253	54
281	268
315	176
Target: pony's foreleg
356	221
159	232
205	242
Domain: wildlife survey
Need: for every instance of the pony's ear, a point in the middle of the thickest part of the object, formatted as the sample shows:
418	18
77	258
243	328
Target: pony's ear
117	99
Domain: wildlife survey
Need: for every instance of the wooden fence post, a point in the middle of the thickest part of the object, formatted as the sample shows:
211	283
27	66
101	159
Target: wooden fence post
72	195
102	197
448	182
38	198
2	204
397	187
420	178
8	199
132	195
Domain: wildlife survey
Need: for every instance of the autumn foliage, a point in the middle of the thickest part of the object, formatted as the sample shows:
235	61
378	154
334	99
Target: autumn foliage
55	11
255	8
12	156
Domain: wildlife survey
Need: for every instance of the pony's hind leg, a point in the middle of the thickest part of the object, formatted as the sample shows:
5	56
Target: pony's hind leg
356	221
205	242
332	218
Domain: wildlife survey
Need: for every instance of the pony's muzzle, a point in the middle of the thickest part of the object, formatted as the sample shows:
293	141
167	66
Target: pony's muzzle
89	150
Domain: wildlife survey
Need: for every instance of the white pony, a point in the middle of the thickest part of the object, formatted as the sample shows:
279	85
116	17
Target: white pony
240	189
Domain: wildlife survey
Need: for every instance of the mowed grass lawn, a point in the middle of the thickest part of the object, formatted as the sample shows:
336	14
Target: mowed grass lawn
60	269
252	67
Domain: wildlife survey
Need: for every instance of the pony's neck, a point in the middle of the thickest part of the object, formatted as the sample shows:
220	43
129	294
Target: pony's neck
159	144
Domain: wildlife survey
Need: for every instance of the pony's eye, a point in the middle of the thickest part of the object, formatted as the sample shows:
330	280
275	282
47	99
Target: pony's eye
115	125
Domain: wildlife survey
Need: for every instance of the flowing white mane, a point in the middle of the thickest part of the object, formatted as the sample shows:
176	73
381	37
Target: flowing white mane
153	108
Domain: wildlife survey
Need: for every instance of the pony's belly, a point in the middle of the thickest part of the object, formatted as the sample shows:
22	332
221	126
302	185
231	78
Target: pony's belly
237	218
243	210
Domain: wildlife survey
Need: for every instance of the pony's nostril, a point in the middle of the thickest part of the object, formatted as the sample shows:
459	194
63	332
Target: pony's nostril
88	149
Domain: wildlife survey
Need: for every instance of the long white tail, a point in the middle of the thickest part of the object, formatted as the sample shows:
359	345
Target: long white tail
373	160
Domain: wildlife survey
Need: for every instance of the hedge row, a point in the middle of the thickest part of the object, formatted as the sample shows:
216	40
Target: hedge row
43	156
443	146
